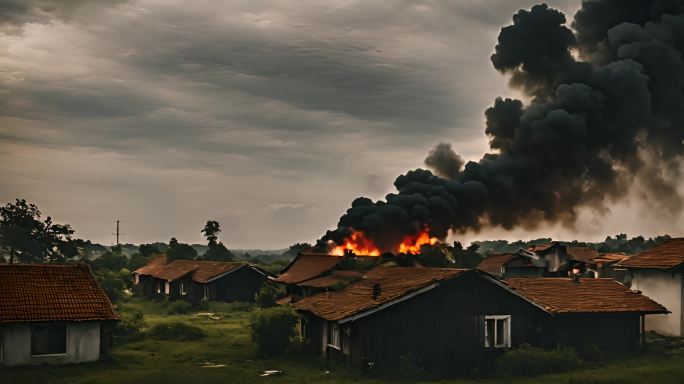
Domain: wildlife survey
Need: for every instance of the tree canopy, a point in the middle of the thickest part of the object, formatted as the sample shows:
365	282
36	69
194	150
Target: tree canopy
217	251
180	251
27	238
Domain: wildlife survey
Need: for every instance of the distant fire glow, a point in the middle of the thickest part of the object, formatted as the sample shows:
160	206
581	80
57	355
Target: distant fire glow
361	245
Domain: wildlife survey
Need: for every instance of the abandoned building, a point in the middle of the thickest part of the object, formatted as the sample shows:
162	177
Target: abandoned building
546	260
195	281
52	314
452	319
657	272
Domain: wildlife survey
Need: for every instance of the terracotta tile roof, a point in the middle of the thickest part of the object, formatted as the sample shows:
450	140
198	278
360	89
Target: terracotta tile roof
155	265
583	254
492	264
43	292
202	271
669	254
336	277
394	283
542	247
563	295
307	266
608	258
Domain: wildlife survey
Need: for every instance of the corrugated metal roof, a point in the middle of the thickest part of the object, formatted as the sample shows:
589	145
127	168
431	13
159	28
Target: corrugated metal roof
563	295
667	255
43	292
492	264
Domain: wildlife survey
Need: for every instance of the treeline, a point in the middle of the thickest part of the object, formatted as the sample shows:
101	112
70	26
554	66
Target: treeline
618	244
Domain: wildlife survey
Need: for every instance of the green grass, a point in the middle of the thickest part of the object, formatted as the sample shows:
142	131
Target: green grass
228	343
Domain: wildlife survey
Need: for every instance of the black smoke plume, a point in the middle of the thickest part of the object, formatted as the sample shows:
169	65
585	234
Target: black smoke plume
606	110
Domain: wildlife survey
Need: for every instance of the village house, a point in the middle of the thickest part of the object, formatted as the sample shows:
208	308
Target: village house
453	319
52	314
657	272
546	260
195	281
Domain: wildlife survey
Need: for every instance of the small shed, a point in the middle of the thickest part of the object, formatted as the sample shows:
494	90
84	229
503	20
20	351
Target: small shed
52	314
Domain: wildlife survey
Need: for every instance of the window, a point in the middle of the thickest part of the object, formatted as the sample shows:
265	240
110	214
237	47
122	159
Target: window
334	335
136	278
184	287
206	292
497	331
48	339
158	287
167	287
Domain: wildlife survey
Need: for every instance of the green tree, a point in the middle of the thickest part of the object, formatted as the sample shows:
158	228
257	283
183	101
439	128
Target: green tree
217	251
27	238
180	251
147	250
294	249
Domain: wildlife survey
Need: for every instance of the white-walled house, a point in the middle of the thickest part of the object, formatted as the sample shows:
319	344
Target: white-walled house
657	273
52	314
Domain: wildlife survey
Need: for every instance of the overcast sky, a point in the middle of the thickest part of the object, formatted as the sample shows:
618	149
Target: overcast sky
268	116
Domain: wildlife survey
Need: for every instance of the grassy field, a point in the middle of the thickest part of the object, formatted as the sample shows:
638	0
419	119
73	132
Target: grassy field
226	355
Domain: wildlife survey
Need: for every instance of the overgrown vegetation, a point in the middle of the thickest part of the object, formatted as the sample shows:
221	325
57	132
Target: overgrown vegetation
175	330
272	330
531	361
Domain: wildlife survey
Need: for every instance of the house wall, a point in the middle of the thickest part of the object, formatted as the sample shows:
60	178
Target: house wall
83	345
240	285
666	288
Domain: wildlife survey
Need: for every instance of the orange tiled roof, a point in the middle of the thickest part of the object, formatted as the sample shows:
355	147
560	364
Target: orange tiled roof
609	258
563	295
155	265
669	254
394	283
202	271
336	277
307	266
492	264
542	247
44	292
583	254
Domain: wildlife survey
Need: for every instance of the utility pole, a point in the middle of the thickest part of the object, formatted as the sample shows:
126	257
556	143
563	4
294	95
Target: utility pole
118	233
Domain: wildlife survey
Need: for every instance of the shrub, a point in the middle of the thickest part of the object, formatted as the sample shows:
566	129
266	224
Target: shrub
129	324
175	330
267	296
273	330
530	361
179	307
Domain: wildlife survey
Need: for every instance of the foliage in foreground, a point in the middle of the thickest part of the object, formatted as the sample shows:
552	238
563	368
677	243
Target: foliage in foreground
273	330
531	361
175	330
129	324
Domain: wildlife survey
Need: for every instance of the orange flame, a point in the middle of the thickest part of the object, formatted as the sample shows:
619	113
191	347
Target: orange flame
361	245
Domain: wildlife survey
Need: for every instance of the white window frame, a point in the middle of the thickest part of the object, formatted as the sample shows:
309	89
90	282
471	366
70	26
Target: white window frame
507	329
136	279
167	288
206	292
158	287
184	288
334	337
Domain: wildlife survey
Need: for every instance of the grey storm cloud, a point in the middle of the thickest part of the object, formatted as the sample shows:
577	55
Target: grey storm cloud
226	108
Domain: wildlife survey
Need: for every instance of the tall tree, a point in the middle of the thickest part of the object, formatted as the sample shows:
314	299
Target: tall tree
217	251
28	239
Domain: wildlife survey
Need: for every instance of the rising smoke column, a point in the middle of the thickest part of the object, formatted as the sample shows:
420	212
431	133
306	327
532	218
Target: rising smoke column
606	110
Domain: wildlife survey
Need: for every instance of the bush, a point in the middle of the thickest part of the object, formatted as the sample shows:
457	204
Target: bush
530	361
273	330
179	307
129	324
267	296
175	330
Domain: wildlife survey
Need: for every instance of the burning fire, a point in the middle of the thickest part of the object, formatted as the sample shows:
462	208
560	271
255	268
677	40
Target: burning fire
361	245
